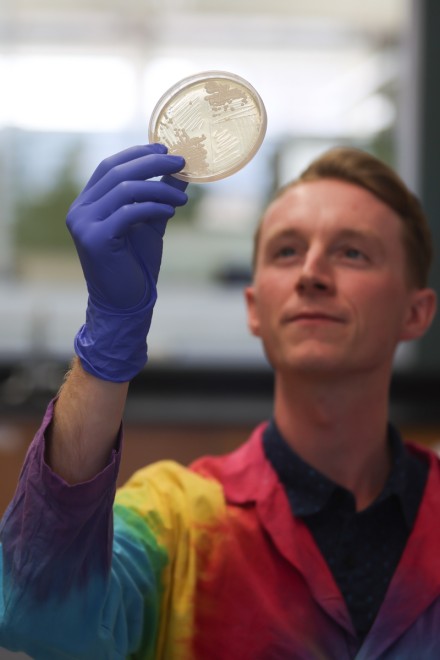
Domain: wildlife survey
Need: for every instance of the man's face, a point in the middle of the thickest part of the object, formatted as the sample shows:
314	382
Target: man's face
330	291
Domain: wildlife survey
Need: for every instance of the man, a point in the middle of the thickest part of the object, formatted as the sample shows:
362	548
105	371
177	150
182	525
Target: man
315	539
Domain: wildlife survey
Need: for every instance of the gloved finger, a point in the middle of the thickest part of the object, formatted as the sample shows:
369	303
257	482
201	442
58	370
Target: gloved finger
136	192
149	213
139	169
123	157
175	183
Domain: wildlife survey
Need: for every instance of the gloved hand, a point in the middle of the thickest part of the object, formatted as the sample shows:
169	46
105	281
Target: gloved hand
117	224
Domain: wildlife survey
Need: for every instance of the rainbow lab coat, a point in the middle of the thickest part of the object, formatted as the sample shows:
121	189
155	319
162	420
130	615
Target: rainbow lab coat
205	563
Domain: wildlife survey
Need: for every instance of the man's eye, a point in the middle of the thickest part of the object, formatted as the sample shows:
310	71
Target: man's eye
354	253
286	251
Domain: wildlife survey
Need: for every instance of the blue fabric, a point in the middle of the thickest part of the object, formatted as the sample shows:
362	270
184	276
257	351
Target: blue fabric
362	549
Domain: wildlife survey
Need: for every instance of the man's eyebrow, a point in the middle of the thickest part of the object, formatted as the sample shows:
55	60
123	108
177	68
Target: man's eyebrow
347	233
284	233
363	235
359	234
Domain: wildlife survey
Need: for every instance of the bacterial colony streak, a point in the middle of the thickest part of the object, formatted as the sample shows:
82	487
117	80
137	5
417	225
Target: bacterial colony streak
212	126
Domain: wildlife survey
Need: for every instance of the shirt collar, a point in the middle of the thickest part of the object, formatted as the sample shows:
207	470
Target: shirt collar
309	491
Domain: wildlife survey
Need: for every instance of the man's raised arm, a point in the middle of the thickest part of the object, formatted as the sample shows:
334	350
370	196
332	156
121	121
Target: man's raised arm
117	224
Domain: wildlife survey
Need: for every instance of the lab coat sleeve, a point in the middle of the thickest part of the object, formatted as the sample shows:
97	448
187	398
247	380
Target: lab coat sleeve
76	581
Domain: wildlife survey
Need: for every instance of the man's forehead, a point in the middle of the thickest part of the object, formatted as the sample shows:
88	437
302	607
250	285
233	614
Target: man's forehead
327	200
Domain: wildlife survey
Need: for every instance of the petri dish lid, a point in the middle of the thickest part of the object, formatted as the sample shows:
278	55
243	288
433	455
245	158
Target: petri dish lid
216	120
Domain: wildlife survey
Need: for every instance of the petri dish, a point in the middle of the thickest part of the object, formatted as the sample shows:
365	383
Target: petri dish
216	120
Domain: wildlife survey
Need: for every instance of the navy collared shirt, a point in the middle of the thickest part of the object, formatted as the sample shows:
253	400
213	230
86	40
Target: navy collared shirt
362	549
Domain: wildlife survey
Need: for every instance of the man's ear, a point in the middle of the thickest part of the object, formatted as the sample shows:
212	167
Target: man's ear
421	311
252	312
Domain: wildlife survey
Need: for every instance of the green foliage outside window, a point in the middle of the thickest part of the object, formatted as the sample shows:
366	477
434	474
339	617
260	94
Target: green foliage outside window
40	220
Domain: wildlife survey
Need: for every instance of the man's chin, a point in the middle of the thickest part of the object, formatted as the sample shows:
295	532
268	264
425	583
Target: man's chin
317	362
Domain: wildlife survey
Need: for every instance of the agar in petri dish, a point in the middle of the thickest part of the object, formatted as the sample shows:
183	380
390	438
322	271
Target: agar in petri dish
215	120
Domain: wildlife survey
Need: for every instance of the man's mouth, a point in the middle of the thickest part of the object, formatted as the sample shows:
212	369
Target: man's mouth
313	317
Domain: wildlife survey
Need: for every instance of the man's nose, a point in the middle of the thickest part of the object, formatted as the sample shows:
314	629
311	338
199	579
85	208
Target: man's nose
315	276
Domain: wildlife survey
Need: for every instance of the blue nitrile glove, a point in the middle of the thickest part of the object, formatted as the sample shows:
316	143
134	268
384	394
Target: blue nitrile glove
117	224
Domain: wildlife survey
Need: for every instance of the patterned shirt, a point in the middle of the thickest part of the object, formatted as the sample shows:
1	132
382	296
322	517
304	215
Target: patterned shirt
362	549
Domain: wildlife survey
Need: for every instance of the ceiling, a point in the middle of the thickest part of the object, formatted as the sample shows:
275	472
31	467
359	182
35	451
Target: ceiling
241	22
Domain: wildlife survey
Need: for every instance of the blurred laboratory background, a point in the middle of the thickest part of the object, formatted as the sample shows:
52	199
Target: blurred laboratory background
79	80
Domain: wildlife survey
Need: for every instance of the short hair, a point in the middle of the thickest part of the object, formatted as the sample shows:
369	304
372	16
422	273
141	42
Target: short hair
364	170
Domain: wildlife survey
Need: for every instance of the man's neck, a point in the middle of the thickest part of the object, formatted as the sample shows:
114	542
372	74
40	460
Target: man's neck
339	428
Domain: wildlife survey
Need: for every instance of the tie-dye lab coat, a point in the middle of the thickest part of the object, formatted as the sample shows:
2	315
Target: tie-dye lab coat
206	563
